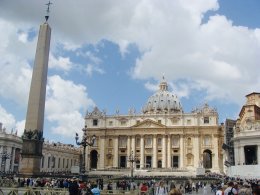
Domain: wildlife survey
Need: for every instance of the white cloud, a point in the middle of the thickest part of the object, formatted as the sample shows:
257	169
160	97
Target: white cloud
93	68
60	63
215	56
7	119
64	104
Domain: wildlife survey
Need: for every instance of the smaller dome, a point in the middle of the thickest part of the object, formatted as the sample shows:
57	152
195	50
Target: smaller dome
162	101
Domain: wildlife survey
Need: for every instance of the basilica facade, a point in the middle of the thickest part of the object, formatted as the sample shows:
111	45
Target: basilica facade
162	137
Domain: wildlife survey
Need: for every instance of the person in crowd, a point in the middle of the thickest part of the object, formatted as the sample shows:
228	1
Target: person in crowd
95	190
73	187
219	190
110	187
230	189
144	189
174	190
161	189
245	189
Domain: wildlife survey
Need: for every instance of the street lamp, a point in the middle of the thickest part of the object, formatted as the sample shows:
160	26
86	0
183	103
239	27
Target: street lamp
84	142
132	158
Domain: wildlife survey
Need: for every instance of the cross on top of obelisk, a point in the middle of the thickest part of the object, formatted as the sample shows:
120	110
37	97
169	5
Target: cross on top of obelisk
47	11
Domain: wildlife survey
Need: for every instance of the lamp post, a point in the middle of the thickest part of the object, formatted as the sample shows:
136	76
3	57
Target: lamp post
84	142
132	159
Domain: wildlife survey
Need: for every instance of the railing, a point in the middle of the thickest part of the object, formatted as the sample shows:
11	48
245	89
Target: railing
33	191
56	191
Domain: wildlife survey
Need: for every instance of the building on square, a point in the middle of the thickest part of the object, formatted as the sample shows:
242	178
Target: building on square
246	139
57	157
161	137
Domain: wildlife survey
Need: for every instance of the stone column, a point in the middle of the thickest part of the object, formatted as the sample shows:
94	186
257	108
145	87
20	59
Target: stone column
128	150
101	159
236	154
163	152
115	157
181	151
87	164
242	155
216	157
1	151
12	158
154	151
133	145
169	152
258	154
196	151
142	152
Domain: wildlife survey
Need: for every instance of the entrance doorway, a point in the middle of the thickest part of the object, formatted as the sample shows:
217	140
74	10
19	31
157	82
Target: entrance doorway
148	161
175	161
207	159
250	155
122	161
93	159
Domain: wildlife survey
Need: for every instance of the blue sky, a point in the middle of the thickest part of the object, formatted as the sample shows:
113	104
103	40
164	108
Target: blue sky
113	54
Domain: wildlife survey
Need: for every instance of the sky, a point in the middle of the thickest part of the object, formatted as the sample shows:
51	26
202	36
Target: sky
113	54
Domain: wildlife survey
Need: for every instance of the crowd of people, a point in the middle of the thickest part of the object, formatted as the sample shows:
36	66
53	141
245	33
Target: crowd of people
221	185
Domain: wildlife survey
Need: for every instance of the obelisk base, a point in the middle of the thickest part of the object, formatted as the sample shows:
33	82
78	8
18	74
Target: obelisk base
31	158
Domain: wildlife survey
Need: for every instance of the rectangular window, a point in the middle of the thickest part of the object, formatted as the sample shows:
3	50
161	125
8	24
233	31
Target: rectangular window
95	122
138	142
123	123
175	141
207	140
148	142
42	161
188	122
110	123
160	121
122	142
206	120
110	143
159	142
49	161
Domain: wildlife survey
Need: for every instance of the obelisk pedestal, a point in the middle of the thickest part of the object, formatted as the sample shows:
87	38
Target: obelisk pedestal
33	133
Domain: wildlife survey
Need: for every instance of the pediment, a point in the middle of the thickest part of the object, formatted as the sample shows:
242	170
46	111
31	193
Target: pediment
148	124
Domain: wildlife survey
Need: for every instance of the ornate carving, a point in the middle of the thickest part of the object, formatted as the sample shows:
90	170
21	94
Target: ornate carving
32	135
95	113
204	109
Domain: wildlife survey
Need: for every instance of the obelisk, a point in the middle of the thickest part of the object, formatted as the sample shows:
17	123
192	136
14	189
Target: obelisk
33	133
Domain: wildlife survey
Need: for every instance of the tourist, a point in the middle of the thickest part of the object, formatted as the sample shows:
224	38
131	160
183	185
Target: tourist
245	189
95	190
144	189
161	189
110	187
219	191
174	190
230	188
73	187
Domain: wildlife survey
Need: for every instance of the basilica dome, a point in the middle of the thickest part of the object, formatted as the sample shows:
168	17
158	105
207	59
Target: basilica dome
162	102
